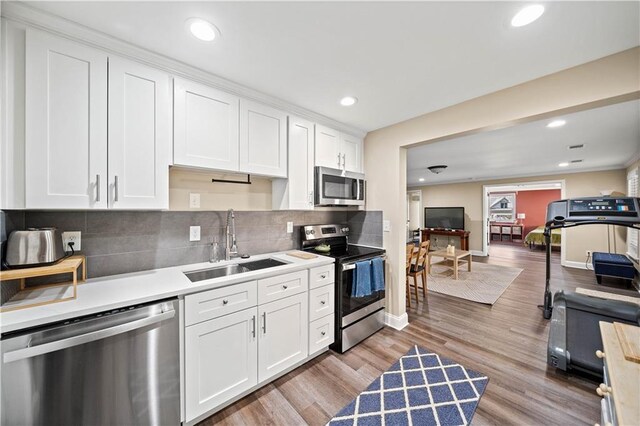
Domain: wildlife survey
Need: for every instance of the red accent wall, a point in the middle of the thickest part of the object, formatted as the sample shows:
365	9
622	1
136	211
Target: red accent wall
534	205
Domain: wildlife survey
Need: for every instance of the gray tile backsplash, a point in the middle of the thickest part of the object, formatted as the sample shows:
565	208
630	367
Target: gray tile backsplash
365	227
117	242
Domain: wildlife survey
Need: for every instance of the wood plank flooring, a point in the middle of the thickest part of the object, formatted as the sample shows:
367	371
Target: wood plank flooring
506	342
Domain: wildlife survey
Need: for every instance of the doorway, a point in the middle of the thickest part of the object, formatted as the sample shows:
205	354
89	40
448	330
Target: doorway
514	215
414	215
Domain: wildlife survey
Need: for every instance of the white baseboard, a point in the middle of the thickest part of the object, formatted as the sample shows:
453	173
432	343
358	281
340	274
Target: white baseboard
574	264
397	322
477	253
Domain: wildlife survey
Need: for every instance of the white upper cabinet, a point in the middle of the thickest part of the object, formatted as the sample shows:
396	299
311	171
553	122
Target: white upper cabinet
263	140
206	127
351	150
338	150
328	147
139	136
66	124
296	193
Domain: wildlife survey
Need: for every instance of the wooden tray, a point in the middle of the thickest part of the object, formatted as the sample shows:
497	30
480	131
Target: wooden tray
69	265
629	338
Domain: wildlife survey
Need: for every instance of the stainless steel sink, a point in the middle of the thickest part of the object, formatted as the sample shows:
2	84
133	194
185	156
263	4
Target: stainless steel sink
220	271
236	268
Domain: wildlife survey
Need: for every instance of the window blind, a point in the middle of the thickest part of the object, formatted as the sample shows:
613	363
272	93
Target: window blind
633	234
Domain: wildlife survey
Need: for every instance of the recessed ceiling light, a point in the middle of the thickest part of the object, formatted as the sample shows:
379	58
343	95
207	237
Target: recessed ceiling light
348	101
556	123
564	164
527	15
421	179
202	30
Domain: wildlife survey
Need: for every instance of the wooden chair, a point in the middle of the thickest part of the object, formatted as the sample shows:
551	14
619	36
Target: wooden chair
419	268
410	256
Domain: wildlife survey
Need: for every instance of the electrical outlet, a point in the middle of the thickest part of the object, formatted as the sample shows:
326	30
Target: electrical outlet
289	227
194	233
386	225
71	237
194	200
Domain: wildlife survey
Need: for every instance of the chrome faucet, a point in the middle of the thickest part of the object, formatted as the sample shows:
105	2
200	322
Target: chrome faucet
231	248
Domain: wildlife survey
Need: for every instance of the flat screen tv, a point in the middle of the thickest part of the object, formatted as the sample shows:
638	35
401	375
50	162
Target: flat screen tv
444	217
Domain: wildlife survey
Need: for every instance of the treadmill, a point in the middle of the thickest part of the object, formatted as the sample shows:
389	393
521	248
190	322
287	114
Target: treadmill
574	335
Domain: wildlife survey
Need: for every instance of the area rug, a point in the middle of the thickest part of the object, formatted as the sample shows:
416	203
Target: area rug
484	284
422	387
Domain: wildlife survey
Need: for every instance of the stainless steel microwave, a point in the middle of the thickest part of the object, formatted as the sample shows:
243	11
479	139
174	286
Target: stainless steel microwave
335	187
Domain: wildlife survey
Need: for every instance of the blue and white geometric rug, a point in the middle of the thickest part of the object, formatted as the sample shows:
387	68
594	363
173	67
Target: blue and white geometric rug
421	388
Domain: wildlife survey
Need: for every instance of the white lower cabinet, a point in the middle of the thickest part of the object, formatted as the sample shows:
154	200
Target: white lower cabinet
221	360
243	335
283	335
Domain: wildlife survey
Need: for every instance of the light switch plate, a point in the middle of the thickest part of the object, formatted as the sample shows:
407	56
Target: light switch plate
71	237
289	227
386	225
194	200
194	233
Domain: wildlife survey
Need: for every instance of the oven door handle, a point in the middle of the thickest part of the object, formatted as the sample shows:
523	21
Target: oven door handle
351	266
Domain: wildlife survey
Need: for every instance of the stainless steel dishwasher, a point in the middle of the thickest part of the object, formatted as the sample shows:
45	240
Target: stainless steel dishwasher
114	368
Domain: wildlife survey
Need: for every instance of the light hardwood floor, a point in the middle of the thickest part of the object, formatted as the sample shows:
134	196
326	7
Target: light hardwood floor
506	342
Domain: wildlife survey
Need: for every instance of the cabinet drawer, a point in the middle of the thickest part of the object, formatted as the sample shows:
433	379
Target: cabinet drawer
321	302
322	275
274	288
321	333
221	301
517	230
495	229
506	229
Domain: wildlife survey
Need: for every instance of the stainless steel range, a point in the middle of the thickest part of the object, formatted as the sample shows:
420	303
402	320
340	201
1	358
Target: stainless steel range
356	317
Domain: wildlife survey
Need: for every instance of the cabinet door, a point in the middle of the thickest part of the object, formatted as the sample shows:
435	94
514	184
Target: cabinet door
328	148
283	335
263	140
220	360
139	136
301	153
351	150
66	124
205	126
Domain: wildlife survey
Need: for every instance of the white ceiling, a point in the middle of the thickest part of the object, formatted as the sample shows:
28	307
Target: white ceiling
611	138
400	59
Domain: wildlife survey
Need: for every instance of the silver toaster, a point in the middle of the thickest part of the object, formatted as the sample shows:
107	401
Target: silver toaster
34	247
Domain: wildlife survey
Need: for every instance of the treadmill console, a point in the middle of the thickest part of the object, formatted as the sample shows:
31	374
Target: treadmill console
606	206
620	209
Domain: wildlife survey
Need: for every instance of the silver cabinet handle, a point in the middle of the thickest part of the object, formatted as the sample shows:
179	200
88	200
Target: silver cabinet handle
323	276
344	161
253	326
57	345
311	197
115	185
322	302
264	323
338	160
284	287
323	332
225	301
97	188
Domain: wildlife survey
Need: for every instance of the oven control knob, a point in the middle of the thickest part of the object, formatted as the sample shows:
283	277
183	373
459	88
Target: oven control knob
345	229
312	232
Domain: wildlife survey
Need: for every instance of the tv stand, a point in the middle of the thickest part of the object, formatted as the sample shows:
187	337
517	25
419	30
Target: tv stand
462	234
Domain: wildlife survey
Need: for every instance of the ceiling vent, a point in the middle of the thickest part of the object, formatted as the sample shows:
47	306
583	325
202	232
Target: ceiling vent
576	161
579	146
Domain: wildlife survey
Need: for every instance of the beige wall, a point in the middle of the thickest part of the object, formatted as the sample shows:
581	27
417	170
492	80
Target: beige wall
217	196
578	240
608	80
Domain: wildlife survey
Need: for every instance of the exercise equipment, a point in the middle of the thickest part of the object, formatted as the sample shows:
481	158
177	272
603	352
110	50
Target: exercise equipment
621	211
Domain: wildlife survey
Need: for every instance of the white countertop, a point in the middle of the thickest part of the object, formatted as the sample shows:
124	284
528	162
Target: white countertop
117	291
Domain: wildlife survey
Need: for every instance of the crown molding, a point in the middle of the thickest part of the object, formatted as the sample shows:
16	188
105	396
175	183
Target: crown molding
632	160
32	17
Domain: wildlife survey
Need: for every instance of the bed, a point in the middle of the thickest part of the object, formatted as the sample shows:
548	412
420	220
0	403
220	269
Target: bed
536	237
